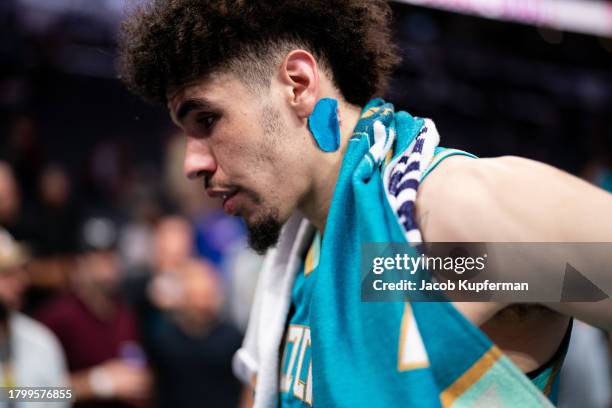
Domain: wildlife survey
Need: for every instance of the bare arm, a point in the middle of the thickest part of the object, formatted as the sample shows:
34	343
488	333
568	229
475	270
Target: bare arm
511	199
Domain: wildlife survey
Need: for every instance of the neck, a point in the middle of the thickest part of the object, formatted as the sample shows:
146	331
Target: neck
325	174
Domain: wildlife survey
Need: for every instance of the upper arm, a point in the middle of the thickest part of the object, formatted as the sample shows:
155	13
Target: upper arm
510	199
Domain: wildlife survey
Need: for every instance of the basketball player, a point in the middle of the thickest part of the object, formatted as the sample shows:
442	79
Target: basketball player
276	102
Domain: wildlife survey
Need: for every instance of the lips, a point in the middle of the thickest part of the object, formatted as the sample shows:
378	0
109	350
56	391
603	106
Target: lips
230	203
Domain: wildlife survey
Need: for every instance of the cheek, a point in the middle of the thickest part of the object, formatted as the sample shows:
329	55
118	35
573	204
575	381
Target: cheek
233	151
267	160
247	158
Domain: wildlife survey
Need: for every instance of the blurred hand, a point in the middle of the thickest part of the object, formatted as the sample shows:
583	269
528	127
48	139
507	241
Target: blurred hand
129	382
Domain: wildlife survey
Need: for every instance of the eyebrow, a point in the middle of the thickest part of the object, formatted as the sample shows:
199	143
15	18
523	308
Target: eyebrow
190	105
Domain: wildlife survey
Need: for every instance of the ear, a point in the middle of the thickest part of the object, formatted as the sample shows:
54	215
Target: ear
299	74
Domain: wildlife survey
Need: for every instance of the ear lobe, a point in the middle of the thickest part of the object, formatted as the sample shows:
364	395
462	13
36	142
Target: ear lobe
299	72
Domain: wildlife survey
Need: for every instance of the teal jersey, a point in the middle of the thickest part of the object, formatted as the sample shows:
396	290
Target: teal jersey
296	378
296	363
339	351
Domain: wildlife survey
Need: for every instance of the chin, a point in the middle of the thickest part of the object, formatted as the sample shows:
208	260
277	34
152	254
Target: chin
264	230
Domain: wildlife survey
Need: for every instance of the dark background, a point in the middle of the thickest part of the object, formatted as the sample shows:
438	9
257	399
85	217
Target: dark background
493	88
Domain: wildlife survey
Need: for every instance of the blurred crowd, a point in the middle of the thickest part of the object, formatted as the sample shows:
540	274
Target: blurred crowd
136	302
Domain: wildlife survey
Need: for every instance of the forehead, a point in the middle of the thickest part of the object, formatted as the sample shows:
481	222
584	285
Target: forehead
217	90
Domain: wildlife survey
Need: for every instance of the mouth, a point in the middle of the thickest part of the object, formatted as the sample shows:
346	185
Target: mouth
230	198
230	204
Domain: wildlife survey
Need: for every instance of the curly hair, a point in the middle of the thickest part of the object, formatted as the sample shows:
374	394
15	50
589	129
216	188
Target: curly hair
168	44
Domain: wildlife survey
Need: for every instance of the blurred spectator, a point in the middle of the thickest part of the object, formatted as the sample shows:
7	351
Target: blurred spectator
172	246
30	355
97	330
189	344
191	347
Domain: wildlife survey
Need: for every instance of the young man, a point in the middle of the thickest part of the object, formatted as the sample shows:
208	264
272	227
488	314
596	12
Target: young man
249	82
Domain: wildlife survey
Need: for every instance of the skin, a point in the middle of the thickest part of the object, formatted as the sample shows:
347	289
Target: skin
279	171
493	201
274	169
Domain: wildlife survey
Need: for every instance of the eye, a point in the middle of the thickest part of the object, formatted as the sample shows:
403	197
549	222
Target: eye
207	121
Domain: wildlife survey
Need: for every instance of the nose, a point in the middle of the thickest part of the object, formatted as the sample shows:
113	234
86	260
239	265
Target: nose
199	160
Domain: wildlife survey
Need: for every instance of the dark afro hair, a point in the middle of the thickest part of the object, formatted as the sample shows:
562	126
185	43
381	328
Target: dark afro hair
168	44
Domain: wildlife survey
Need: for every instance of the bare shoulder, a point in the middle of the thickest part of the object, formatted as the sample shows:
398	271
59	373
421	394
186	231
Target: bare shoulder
503	199
459	177
458	191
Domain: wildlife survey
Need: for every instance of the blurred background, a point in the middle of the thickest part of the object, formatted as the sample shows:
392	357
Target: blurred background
137	288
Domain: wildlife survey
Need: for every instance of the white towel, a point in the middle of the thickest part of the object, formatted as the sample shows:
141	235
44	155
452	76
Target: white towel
259	355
